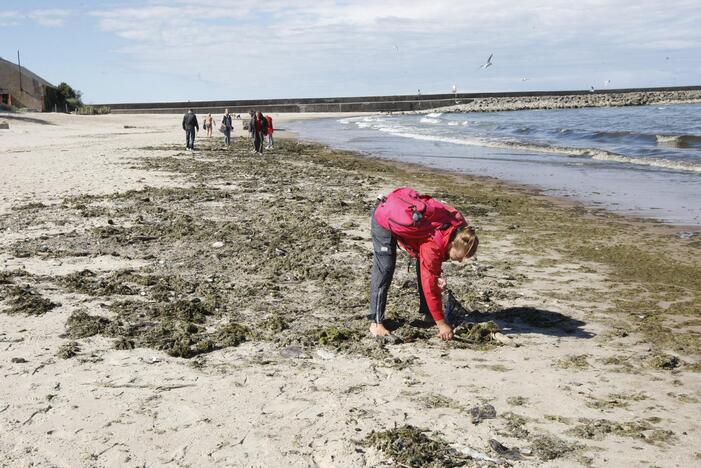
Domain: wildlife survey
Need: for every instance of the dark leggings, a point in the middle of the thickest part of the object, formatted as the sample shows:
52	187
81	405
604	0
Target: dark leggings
384	261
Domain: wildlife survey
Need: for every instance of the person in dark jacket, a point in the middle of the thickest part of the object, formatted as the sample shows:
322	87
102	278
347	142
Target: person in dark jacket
252	124
260	124
190	125
227	125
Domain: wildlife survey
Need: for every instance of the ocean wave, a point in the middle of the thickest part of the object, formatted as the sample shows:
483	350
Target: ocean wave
434	115
679	141
590	153
429	120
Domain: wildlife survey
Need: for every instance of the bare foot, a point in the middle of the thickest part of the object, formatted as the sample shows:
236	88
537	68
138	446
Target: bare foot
377	329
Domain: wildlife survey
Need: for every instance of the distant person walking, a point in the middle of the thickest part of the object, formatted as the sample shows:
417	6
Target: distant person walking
190	126
260	125
270	132
252	124
227	125
208	124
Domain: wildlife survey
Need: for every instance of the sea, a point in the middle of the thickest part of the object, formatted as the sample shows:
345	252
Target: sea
643	161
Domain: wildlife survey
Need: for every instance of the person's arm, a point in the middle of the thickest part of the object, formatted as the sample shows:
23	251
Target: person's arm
184	120
431	269
197	126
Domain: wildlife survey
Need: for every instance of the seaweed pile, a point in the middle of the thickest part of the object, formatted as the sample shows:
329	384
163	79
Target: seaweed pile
410	446
247	249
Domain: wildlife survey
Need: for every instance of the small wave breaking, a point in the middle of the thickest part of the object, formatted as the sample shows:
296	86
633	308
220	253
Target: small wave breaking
591	153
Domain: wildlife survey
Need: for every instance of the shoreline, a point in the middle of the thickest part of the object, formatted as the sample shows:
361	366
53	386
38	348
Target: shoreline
216	301
649	214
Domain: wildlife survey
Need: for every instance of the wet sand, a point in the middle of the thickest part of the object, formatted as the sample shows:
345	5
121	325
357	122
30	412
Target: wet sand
167	308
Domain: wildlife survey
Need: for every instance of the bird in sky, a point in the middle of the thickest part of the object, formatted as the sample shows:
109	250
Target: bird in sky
396	47
524	79
488	63
607	82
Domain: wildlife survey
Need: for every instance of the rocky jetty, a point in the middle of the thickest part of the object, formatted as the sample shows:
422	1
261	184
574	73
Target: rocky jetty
573	101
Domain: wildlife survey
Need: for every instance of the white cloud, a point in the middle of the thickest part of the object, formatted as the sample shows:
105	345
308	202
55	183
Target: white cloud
350	44
9	18
51	18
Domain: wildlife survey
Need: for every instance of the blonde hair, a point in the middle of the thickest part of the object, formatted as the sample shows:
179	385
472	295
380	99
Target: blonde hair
466	239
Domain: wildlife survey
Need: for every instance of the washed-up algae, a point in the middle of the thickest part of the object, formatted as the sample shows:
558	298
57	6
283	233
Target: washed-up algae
410	446
642	429
574	361
545	446
27	300
83	325
549	447
615	400
88	282
68	350
663	361
7	276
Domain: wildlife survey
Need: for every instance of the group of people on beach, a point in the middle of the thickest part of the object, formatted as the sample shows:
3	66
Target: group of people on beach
260	129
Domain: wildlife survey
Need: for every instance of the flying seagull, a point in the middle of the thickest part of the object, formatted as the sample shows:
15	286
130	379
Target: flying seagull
488	63
524	79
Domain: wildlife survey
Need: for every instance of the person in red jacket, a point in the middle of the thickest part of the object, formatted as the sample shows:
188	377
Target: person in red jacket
270	132
431	232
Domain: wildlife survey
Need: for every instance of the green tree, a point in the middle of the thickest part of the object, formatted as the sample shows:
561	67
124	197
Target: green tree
62	98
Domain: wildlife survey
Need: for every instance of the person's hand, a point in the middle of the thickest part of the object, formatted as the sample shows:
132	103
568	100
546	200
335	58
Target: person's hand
445	333
442	283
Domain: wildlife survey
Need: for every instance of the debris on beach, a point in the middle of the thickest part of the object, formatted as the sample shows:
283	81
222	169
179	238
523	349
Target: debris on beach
410	446
642	429
503	451
68	350
83	325
27	300
549	447
663	361
481	335
481	412
88	282
574	361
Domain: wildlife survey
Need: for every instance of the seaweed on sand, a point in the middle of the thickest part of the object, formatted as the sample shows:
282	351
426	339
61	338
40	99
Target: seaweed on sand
476	335
410	446
6	276
663	361
638	429
83	325
548	447
574	361
87	282
68	350
27	300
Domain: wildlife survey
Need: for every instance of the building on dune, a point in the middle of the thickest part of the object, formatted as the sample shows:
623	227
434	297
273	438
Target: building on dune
20	87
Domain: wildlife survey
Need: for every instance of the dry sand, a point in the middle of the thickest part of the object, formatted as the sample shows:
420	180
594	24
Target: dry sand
285	398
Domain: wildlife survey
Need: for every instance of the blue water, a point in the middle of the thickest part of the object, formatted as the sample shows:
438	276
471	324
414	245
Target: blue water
643	161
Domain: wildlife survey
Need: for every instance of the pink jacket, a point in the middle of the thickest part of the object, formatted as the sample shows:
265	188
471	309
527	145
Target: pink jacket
427	239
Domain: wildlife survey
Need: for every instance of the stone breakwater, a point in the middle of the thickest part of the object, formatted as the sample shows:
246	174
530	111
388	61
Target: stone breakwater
572	101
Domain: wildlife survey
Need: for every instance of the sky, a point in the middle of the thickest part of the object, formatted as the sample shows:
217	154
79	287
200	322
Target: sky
157	50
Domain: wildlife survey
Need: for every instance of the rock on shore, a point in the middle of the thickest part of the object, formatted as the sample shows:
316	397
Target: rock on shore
572	101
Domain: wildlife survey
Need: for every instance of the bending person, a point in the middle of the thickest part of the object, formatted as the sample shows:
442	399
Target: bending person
429	231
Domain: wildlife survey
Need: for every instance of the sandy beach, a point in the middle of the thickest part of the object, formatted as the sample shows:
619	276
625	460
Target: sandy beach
165	308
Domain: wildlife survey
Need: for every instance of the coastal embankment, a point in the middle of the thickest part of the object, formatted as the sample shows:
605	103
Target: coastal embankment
208	308
425	102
